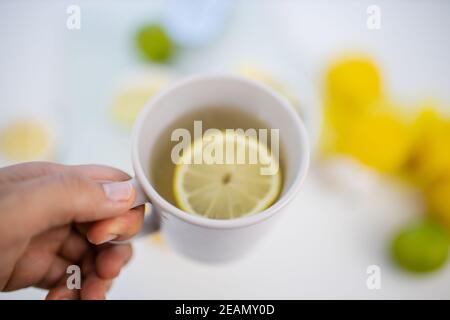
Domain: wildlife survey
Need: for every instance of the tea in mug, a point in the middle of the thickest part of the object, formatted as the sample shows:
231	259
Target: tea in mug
219	163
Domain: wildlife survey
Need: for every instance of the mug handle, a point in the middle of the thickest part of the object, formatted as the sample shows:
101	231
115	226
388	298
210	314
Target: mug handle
141	198
151	219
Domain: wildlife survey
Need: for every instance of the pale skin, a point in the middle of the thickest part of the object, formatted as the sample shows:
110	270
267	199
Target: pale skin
53	216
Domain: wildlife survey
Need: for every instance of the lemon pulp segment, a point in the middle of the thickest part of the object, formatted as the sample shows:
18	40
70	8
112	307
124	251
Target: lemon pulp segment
26	140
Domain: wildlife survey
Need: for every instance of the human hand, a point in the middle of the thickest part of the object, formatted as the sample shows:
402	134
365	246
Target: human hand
53	216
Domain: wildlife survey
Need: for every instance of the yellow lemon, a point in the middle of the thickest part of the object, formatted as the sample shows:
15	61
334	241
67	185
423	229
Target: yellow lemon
129	100
225	191
379	140
352	88
437	196
353	84
26	140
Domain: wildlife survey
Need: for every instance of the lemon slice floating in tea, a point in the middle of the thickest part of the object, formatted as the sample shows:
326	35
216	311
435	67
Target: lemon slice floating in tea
221	190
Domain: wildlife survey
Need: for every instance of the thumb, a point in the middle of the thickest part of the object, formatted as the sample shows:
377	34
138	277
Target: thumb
55	200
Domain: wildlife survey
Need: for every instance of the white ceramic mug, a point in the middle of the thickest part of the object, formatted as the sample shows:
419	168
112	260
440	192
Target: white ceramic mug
199	237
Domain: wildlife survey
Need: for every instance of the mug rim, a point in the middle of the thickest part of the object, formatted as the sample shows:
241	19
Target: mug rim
155	197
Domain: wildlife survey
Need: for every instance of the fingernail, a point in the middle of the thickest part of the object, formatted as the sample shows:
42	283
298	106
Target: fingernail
108	238
118	191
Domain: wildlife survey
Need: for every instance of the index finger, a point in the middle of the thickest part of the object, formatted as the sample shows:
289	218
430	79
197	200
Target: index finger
36	169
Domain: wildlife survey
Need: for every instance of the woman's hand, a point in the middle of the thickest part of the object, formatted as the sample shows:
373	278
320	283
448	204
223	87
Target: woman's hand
53	216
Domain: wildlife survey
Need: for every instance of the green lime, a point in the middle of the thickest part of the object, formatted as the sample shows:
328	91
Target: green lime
154	43
422	247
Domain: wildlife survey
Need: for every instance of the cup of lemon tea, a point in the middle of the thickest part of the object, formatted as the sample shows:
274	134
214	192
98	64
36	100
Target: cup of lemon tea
217	157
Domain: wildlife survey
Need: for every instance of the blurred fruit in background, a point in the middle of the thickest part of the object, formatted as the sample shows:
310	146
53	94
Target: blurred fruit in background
154	44
25	140
428	166
421	247
259	74
353	85
377	139
430	156
361	122
136	90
